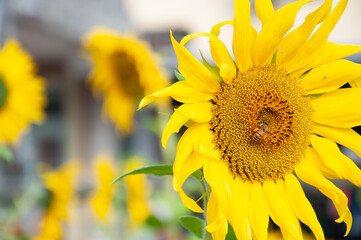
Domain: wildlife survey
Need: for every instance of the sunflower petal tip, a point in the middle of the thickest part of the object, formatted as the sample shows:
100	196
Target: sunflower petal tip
211	227
144	102
164	142
339	220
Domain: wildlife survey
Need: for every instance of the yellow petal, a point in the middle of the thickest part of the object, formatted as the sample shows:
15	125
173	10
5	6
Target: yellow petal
280	210
187	142
330	76
217	28
292	41
180	91
310	174
332	51
195	73
356	83
264	10
192	163
344	136
333	162
174	124
197	138
286	235
340	108
189	202
205	145
220	55
219	179
258	212
217	222
243	37
307	52
301	206
273	31
197	112
239	208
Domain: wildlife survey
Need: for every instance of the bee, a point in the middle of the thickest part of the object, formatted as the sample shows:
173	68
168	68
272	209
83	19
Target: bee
260	132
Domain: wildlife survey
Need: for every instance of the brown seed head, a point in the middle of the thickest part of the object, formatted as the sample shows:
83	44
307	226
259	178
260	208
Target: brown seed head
261	123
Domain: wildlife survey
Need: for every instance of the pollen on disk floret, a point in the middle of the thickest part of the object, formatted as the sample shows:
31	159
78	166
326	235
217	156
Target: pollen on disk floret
261	123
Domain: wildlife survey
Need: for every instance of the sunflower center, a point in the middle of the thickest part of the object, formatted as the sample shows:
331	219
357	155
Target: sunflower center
127	74
3	92
261	123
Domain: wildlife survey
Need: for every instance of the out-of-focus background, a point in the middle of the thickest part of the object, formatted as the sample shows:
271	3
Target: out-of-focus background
75	128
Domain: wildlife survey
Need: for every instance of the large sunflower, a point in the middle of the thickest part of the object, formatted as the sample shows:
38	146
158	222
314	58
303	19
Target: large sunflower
274	114
22	97
125	69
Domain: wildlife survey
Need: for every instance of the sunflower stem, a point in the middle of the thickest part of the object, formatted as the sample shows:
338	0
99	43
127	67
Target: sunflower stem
206	235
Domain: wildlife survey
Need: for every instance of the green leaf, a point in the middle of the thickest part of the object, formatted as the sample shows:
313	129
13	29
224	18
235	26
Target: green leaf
213	69
158	170
5	153
230	234
193	224
179	76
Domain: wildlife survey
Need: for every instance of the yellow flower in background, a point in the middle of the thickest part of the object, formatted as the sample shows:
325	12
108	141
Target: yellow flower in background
138	191
101	200
61	184
22	98
51	228
271	115
124	70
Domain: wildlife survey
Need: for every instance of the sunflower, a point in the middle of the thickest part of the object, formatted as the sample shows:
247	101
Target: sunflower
124	70
137	188
101	200
272	115
60	183
22	97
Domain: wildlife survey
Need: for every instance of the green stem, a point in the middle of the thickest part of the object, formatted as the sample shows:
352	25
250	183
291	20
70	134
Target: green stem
206	235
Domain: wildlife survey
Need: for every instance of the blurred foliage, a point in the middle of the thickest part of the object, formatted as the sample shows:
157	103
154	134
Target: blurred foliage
5	153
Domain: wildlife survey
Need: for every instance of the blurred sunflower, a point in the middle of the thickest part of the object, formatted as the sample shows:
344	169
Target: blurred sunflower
60	183
138	190
22	98
124	70
101	200
275	113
